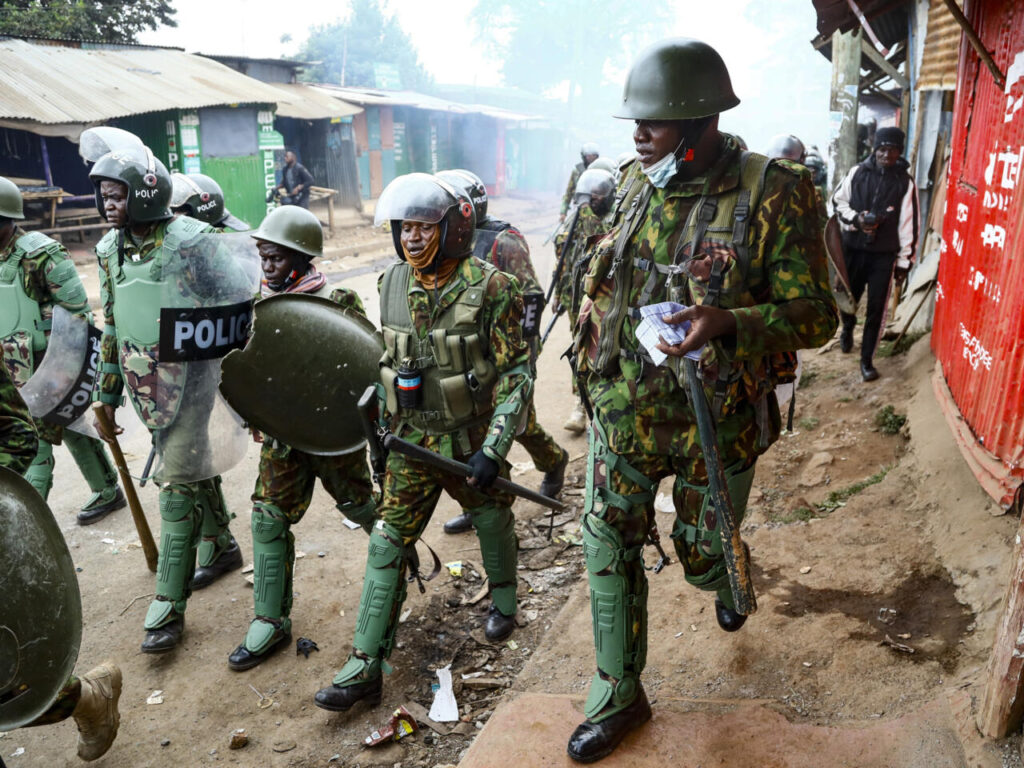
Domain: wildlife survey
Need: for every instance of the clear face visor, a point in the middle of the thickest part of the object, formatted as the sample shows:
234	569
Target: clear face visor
94	143
182	188
415	197
594	181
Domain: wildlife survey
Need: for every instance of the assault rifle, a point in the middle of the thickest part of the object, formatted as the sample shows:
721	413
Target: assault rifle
559	268
737	560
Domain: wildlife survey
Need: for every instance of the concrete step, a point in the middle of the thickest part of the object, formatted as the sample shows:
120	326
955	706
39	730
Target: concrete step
533	730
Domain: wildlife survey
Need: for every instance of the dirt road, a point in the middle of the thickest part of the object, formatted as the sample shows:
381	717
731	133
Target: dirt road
856	535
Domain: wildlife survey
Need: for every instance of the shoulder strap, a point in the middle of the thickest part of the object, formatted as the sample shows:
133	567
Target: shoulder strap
394	296
34	242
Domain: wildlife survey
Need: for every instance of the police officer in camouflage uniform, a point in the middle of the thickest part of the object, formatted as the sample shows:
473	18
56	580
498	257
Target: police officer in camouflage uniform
199	196
37	274
731	235
456	380
588	154
594	193
499	243
133	190
90	699
289	239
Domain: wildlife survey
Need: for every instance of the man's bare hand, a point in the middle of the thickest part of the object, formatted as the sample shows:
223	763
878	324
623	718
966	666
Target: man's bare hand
706	323
111	414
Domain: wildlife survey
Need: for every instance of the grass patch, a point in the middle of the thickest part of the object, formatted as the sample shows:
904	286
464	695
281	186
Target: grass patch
888	421
806	379
888	349
808	423
837	499
801	514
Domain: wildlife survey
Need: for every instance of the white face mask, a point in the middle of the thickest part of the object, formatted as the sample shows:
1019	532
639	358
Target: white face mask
661	172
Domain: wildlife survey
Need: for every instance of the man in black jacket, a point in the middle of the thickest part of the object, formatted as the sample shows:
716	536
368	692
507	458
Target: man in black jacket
295	182
877	209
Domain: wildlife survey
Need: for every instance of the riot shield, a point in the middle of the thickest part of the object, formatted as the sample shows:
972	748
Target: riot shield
60	390
41	609
837	275
300	378
207	283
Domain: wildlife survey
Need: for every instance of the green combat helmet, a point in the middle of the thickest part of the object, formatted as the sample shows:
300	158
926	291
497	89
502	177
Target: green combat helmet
295	228
11	206
677	79
198	196
147	179
474	187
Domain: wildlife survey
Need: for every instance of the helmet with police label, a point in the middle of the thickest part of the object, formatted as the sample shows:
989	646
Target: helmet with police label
677	79
428	199
147	180
473	185
788	147
295	228
11	205
198	196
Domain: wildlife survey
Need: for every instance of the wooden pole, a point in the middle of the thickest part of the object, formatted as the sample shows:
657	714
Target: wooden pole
1003	704
845	100
976	42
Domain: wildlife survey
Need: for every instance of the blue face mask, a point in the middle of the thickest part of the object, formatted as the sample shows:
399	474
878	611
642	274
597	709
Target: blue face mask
661	172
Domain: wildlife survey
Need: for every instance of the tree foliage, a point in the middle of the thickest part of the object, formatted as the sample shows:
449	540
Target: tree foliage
543	43
118	21
345	51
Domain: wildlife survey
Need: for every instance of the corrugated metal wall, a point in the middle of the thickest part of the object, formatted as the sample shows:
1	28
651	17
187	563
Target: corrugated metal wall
978	335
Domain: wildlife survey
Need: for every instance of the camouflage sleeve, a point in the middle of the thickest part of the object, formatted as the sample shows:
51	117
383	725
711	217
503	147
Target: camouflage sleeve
347	299
570	190
511	355
514	258
110	384
796	309
18	441
57	279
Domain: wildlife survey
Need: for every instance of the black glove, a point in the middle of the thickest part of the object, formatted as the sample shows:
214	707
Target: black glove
485	470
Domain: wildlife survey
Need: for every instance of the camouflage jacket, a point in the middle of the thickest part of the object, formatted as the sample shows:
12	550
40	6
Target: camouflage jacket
781	302
18	441
587	225
49	278
500	317
511	254
570	189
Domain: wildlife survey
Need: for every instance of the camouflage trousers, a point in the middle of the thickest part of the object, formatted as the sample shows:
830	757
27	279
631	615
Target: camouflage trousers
541	446
63	705
287	478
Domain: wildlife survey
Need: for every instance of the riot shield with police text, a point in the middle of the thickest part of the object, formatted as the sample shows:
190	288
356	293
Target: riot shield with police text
60	390
41	609
301	375
208	284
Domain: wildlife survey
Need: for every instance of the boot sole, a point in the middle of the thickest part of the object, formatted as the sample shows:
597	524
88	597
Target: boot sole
95	515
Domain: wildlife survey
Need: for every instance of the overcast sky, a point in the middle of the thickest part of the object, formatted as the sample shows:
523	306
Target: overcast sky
782	81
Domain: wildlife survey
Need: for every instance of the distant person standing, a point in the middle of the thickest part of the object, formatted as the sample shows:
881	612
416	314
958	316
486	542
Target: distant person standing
295	182
877	208
588	154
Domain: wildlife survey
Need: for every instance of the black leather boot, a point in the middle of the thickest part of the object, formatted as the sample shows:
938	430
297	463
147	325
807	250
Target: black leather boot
337	698
228	560
165	638
846	340
554	479
592	741
499	626
96	510
728	619
461	524
242	658
867	371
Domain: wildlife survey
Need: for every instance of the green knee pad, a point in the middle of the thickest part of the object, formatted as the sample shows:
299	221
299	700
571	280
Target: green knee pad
499	547
707	535
273	548
215	519
618	606
383	592
179	530
40	471
93	462
364	514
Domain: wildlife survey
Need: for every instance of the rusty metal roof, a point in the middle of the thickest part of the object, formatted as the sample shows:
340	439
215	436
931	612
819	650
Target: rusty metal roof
308	103
941	50
836	14
49	83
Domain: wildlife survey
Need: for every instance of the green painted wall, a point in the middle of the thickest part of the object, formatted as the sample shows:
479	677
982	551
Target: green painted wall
241	178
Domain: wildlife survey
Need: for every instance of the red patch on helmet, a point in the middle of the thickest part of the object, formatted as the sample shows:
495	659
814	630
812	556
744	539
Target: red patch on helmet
466	209
205	197
149	179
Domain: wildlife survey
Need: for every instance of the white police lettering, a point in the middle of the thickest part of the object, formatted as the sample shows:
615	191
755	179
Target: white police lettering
530	315
82	395
149	194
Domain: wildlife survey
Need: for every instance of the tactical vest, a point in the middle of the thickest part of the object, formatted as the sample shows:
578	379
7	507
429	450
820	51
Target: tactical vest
486	233
722	219
22	328
137	289
458	377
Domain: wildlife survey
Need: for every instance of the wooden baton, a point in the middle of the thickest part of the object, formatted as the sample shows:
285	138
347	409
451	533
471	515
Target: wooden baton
141	524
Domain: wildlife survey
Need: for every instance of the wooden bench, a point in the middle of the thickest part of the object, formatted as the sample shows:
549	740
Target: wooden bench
321	193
